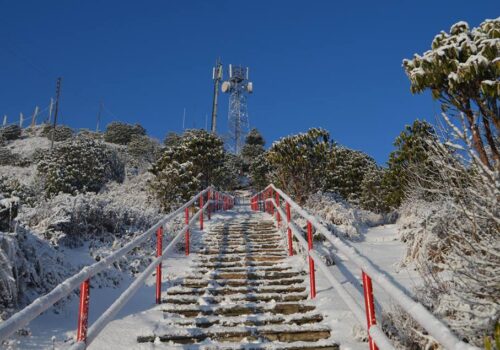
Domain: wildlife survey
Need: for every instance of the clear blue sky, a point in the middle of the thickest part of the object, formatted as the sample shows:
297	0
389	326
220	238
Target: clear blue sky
329	64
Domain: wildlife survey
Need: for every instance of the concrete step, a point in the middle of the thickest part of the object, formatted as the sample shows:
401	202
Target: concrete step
266	333
242	258
242	269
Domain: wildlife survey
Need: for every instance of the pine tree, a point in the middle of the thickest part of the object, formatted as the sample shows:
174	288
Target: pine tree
122	133
372	195
253	148
408	159
259	172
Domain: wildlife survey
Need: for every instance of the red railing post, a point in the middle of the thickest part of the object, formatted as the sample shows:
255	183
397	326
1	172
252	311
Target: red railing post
312	274
278	216
201	212
369	307
83	312
186	216
159	249
289	219
209	207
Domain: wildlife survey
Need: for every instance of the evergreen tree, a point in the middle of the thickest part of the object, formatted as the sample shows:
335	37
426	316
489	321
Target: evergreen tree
372	195
409	158
346	171
461	70
259	172
298	163
198	159
253	148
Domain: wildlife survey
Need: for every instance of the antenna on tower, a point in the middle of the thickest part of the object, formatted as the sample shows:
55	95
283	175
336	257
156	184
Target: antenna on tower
217	77
238	87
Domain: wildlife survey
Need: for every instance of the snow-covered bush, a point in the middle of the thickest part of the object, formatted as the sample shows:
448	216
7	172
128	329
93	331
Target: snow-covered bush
259	172
143	149
341	217
298	163
197	161
7	157
10	132
346	171
61	132
79	165
117	210
373	192
122	133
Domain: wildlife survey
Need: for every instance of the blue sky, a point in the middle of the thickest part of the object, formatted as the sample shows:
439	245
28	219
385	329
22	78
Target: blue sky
330	64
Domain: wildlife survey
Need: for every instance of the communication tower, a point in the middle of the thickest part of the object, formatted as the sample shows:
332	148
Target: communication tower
238	87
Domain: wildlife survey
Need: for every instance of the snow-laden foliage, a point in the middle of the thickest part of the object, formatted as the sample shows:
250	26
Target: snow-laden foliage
454	239
79	165
259	172
116	210
143	151
408	159
10	132
122	133
373	192
60	133
462	69
195	162
346	171
7	157
341	217
298	162
253	148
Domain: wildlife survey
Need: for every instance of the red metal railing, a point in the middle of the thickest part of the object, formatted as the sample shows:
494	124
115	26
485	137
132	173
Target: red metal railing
271	199
208	199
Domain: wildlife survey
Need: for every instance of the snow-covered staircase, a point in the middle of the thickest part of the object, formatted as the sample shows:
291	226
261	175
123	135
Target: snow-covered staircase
242	294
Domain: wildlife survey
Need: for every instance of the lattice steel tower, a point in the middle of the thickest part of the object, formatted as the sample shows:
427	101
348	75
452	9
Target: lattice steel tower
238	87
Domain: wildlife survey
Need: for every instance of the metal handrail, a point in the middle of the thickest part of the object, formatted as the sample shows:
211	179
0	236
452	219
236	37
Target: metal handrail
41	304
424	317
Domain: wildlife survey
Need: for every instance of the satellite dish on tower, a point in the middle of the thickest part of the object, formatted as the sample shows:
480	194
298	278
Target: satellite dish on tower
226	86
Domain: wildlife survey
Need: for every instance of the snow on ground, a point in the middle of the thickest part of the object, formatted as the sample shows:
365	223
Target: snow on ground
380	244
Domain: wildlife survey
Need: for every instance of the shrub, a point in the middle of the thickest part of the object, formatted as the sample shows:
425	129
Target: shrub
122	133
144	148
10	132
8	158
61	132
79	165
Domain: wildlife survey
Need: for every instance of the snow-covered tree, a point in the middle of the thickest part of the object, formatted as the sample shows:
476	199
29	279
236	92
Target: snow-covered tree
409	158
143	149
61	132
254	147
79	165
259	172
172	139
346	171
196	161
462	70
298	162
372	191
122	133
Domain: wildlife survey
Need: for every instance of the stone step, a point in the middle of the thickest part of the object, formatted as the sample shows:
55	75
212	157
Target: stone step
281	333
285	308
253	320
232	298
293	288
203	282
244	258
232	264
242	269
251	253
324	344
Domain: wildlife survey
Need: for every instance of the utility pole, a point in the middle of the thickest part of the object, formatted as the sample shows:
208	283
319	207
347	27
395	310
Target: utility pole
33	118
56	110
4	120
50	110
99	116
184	120
217	77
